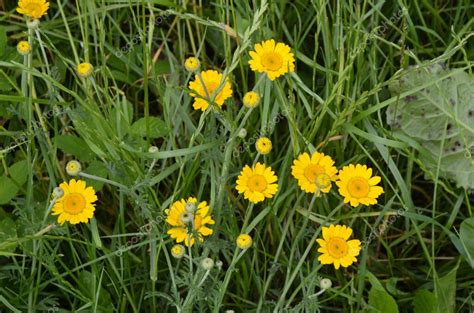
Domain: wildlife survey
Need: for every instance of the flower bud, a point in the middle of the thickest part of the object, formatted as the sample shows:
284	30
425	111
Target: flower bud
192	64
325	283
244	241
242	133
58	192
73	168
177	251
153	149
207	264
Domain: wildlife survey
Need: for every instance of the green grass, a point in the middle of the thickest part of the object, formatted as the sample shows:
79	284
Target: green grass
347	52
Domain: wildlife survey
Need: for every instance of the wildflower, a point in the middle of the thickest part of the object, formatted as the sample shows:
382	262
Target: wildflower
263	145
177	251
274	59
244	241
257	183
23	47
73	168
33	8
325	283
188	227
84	70
207	264
77	203
358	186
336	248
251	99
192	64
314	173
242	133
212	81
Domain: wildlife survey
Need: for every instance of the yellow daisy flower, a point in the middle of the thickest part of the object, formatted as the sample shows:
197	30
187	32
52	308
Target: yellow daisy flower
336	248
272	58
189	220
257	183
76	204
251	99
314	173
263	145
84	69
33	8
212	80
244	241
357	185
192	64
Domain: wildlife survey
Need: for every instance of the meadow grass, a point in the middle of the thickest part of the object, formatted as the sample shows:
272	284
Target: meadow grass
347	53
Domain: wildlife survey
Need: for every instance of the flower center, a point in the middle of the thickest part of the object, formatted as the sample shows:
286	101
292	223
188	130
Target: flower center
323	180
33	8
312	171
337	247
74	203
257	183
272	61
358	187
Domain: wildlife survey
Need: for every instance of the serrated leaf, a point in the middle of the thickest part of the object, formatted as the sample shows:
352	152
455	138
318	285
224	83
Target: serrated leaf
74	145
424	302
439	114
466	234
157	127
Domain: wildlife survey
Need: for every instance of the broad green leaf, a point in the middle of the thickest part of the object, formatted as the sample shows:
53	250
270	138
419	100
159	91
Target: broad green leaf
381	301
98	169
424	302
8	189
19	172
157	127
7	234
439	117
467	238
445	292
74	145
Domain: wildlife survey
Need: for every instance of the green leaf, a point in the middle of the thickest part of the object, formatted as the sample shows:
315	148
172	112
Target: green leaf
3	40
8	190
424	302
19	172
436	110
98	169
74	145
7	233
467	234
156	126
445	292
381	301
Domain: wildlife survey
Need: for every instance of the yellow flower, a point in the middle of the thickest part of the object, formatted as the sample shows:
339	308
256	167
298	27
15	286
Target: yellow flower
315	173
251	99
272	58
73	168
336	248
357	185
23	47
263	145
192	64
257	183
84	70
177	251
244	241
212	80
33	8
188	226
77	203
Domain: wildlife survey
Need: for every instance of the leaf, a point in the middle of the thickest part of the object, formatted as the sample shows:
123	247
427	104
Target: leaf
19	172
74	145
381	301
7	233
424	302
8	190
98	169
445	292
467	234
437	111
3	40
156	126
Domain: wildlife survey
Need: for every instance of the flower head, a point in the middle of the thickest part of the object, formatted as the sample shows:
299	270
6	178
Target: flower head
177	251
84	70
325	283
201	91
257	183
244	241
336	248
314	173
358	186
251	99
207	264
73	168
188	227
23	47
192	64
263	145
272	58
77	203
33	8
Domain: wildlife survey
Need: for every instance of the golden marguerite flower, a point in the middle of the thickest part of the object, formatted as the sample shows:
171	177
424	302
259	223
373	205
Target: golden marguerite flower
33	8
84	69
257	183
192	64
314	173
251	99
23	47
212	81
357	185
177	251
263	145
76	204
336	248
244	241
189	220
272	58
